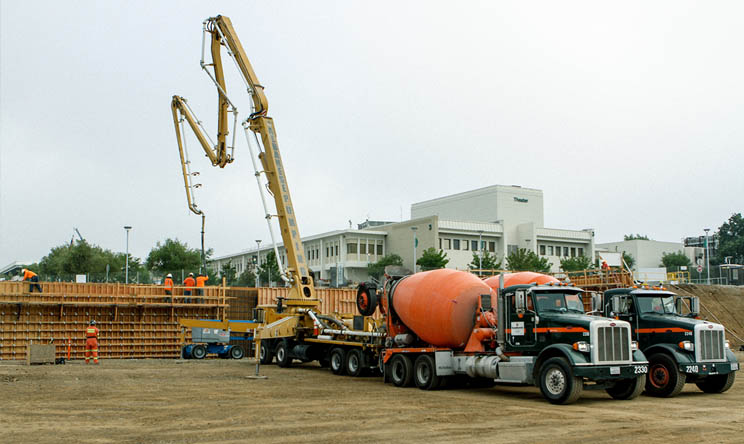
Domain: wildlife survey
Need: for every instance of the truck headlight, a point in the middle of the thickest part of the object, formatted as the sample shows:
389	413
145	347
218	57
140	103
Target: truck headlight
727	344
687	345
634	345
581	346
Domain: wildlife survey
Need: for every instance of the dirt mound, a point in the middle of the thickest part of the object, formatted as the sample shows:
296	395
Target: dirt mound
722	304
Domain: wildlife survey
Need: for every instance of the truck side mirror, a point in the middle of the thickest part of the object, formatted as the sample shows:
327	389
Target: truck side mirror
520	301
694	305
596	301
678	305
616	308
485	302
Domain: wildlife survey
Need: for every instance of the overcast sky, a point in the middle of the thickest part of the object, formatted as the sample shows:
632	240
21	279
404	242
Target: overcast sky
627	115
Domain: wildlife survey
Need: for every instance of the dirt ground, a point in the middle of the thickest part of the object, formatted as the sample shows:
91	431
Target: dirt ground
211	401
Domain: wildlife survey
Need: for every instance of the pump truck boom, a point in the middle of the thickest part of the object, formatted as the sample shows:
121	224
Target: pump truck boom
220	33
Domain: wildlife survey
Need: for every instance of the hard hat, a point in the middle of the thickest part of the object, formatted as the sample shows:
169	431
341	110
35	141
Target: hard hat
191	274
93	322
169	275
23	270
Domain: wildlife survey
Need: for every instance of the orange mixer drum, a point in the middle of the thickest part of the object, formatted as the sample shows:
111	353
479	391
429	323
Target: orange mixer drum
440	305
522	277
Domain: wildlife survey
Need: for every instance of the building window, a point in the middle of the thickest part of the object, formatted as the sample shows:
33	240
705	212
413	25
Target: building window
510	249
455	244
351	248
573	251
379	248
581	251
483	245
440	243
327	251
550	250
565	251
474	245
336	250
447	244
492	247
466	245
363	248
558	251
542	250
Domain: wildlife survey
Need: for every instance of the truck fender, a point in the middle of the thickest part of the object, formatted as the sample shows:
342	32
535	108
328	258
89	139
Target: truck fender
730	356
674	352
639	356
558	350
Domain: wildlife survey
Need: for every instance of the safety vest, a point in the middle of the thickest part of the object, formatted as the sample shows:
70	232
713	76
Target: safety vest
169	283
200	280
91	332
189	282
28	275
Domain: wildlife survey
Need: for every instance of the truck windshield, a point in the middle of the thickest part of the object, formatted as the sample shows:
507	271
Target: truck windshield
656	304
552	301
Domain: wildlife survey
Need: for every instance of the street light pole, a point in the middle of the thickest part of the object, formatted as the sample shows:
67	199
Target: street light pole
126	273
415	241
707	253
480	252
258	261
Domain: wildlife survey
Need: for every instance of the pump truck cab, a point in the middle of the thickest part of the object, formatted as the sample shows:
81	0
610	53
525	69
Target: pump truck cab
680	347
450	324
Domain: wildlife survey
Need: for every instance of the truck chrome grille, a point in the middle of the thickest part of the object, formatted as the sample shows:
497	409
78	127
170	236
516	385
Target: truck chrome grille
711	345
613	344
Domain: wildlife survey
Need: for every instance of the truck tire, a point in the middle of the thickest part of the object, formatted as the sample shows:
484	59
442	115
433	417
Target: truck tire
425	373
282	354
198	351
354	362
558	383
366	300
664	379
236	352
628	388
266	356
338	361
401	370
716	383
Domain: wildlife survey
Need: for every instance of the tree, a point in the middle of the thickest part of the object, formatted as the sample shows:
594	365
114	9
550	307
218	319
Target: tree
632	236
675	260
67	260
431	259
629	260
228	272
487	262
247	278
377	269
269	271
527	260
173	255
577	263
731	239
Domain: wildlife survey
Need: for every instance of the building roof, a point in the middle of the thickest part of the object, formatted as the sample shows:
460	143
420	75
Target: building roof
478	191
475	227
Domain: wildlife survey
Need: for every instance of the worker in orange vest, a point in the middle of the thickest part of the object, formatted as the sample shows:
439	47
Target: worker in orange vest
189	282
168	287
605	267
200	280
91	342
32	277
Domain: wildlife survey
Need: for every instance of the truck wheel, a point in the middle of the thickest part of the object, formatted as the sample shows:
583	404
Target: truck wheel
558	383
664	380
237	352
425	373
198	351
282	354
716	383
627	388
366	301
401	370
266	355
338	361
354	362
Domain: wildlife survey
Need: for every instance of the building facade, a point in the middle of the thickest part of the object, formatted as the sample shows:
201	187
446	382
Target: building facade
497	219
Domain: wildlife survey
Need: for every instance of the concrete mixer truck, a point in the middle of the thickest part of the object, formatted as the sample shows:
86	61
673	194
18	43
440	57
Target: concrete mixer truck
522	328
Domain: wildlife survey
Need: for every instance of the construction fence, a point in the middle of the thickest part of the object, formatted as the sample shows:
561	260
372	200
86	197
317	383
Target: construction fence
135	321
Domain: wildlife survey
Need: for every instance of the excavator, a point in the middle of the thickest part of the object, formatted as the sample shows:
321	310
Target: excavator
219	33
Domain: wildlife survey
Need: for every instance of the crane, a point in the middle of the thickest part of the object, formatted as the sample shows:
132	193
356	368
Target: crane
219	32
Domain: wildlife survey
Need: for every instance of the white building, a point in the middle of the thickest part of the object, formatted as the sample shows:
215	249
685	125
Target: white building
647	253
498	219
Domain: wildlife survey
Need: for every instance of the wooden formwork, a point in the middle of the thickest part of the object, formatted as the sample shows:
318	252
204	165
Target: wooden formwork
135	321
332	300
